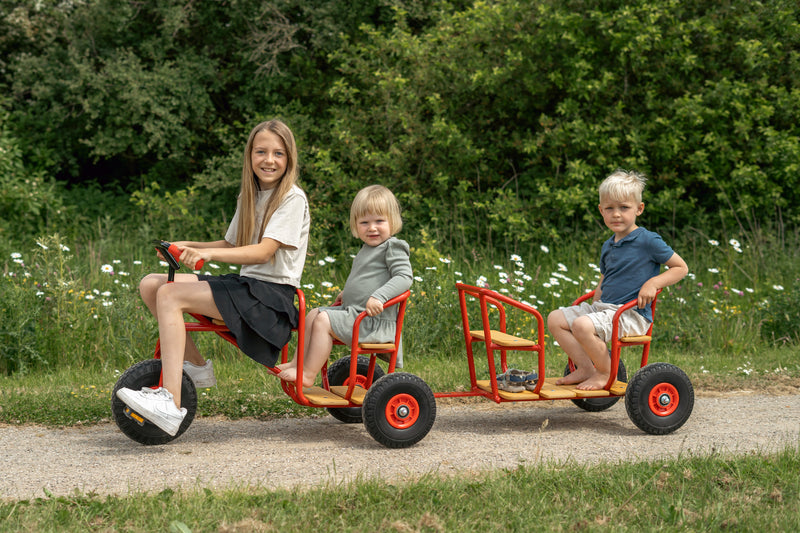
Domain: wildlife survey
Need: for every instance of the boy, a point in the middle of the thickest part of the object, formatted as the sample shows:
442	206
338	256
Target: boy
630	262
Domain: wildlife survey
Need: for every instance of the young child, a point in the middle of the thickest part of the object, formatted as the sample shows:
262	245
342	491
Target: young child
381	271
268	235
630	263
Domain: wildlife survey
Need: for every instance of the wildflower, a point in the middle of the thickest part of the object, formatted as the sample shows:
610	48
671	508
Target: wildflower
444	260
498	267
137	262
211	265
430	268
321	262
42	245
108	269
327	284
120	273
418	279
308	286
16	255
545	249
734	243
557	294
457	273
713	270
116	261
713	242
778	287
329	259
39	293
515	257
748	289
89	296
562	267
106	303
106	294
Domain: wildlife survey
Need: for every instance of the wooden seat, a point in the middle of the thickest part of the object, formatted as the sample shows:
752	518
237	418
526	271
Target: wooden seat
502	339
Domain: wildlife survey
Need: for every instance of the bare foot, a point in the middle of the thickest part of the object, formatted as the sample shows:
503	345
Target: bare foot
596	382
285	366
576	376
290	374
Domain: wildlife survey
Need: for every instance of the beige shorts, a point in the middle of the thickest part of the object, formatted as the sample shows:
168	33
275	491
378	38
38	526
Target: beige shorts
601	314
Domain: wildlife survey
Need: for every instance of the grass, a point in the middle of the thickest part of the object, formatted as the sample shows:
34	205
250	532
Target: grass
72	322
749	493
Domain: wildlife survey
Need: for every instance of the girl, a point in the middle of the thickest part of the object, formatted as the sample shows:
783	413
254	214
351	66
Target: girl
268	235
381	271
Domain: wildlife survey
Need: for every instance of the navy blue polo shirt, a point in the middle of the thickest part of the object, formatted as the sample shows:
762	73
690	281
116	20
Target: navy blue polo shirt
627	264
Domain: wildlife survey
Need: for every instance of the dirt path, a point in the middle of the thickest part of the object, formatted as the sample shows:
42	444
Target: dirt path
464	439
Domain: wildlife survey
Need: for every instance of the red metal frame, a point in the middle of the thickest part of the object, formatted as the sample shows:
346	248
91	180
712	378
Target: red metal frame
203	323
486	298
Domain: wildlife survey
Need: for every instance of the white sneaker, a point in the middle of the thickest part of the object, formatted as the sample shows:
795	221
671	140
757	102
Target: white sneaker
203	376
156	405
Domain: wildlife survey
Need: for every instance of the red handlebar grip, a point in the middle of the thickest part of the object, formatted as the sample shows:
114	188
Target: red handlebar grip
175	251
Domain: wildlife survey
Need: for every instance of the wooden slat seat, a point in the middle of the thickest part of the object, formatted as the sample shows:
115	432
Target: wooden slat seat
503	339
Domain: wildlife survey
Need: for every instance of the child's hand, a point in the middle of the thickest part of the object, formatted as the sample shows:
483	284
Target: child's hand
646	294
338	300
374	306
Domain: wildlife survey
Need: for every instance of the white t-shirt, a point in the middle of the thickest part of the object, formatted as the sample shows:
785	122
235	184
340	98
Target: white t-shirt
289	226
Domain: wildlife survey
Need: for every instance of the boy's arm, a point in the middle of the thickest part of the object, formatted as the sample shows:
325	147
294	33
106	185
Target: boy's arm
677	271
598	291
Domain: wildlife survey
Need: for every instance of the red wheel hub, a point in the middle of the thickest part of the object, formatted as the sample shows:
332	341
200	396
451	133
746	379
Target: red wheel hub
663	399
361	381
402	411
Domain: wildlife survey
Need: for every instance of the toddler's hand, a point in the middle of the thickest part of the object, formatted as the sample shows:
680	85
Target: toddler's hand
374	306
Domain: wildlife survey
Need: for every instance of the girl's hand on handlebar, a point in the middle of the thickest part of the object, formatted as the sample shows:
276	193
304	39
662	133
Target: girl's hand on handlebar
192	257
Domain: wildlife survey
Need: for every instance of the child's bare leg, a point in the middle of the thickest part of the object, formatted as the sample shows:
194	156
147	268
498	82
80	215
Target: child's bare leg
310	317
172	301
559	328
595	348
148	288
317	351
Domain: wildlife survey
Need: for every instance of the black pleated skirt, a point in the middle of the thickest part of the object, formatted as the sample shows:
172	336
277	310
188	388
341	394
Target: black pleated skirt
259	314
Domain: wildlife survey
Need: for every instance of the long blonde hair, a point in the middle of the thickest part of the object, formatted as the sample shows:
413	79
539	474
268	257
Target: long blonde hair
248	194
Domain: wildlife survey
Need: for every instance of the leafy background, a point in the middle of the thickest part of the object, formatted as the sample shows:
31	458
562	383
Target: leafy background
493	121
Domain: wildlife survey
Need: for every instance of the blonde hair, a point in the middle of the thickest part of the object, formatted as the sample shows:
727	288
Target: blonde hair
376	200
248	194
623	185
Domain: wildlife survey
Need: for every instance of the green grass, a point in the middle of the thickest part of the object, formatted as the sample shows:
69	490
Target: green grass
71	326
749	493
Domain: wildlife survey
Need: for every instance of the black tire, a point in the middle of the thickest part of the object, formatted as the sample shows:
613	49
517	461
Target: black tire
147	374
595	405
339	374
399	410
659	399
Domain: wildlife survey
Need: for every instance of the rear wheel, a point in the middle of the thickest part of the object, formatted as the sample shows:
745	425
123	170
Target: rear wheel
148	374
595	405
659	398
399	410
339	374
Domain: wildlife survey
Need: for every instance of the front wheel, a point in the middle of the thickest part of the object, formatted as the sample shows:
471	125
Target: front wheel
659	399
148	374
339	374
399	410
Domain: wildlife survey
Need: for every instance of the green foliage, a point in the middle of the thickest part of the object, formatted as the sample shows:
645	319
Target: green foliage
782	316
30	201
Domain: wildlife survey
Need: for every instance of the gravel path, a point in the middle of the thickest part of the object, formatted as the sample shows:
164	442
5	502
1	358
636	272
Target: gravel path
483	436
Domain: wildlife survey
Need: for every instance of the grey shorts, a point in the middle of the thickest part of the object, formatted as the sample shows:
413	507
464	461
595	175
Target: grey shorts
601	314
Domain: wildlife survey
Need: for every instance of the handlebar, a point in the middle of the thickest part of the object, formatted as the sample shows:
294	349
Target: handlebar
172	255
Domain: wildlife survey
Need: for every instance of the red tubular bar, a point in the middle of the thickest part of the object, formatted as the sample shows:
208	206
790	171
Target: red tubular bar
616	343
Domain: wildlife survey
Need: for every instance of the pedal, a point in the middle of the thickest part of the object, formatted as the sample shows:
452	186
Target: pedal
133	416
